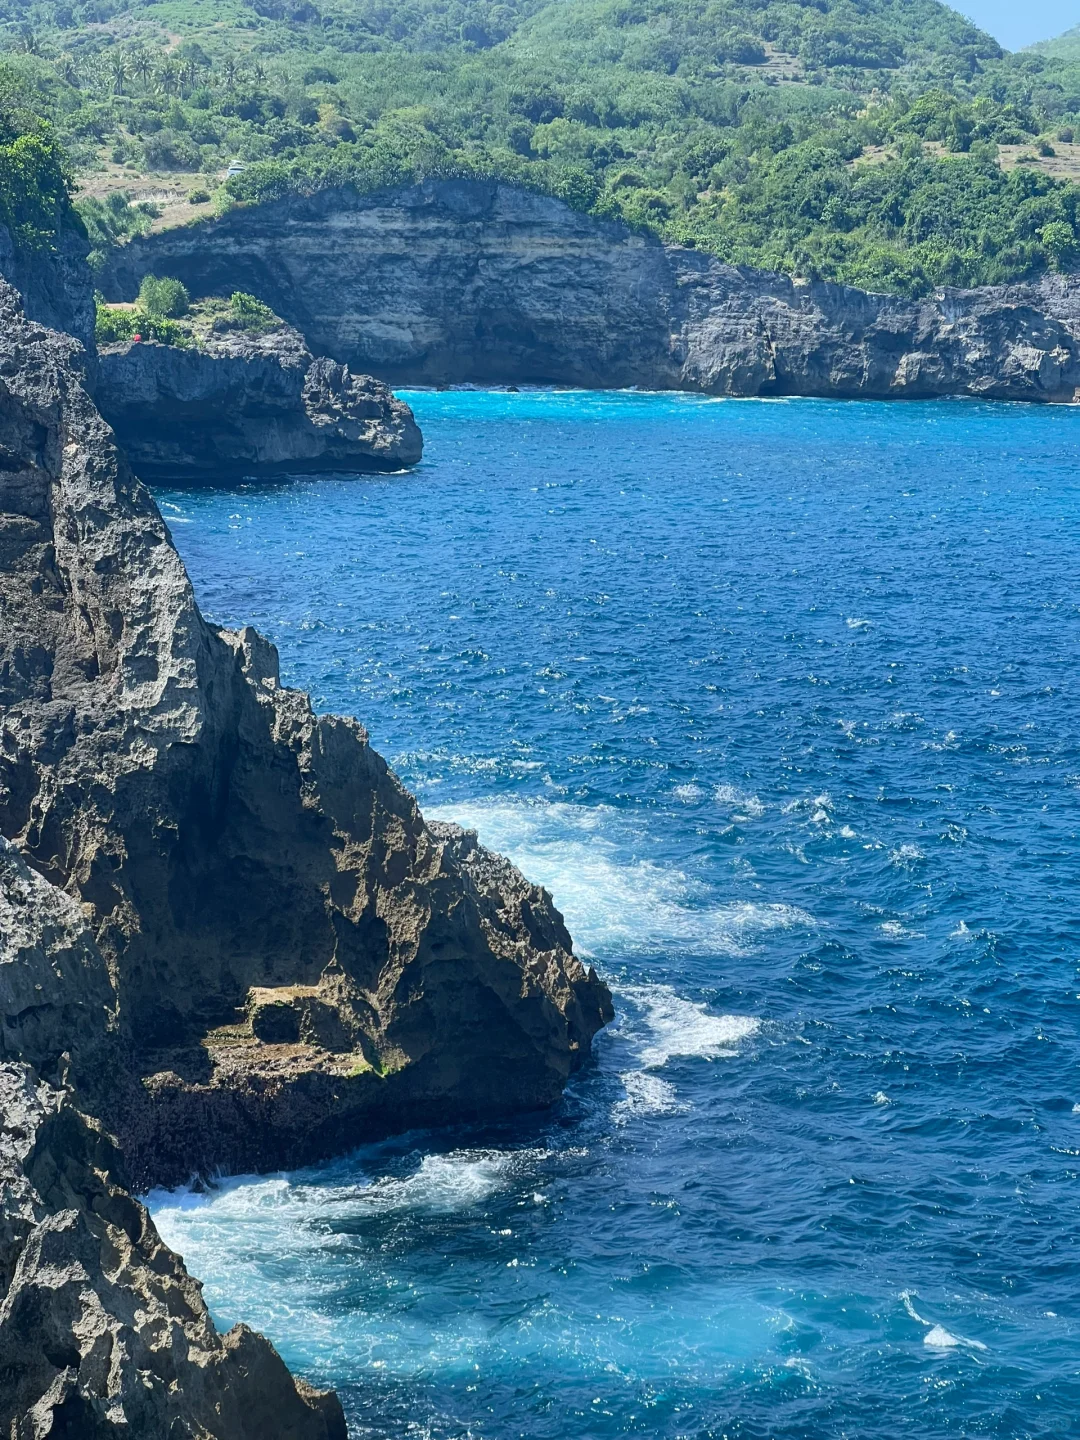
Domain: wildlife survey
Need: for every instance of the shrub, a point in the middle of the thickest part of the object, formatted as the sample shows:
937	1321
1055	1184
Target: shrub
160	328
198	197
250	313
163	297
112	326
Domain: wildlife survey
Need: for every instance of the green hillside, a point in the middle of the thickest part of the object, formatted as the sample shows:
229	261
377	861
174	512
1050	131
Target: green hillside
888	143
1064	47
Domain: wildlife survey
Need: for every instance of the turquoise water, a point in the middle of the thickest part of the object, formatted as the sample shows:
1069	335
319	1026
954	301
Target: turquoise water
780	700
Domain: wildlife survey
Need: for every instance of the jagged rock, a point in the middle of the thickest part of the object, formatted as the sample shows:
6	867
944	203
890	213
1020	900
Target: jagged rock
57	1004
222	837
102	1331
470	280
249	405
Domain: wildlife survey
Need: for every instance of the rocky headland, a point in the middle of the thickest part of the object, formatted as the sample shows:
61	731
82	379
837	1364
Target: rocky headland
477	281
248	405
228	939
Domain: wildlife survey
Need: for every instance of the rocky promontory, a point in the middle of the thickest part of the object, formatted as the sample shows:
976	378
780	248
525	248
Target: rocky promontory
256	405
227	938
477	281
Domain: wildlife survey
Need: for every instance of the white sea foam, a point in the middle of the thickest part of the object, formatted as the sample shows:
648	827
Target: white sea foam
896	930
441	1184
646	1094
748	806
676	1026
906	855
688	794
589	858
937	1337
856	624
880	1098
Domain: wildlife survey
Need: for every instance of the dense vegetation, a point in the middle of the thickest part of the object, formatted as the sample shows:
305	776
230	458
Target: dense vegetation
856	139
35	177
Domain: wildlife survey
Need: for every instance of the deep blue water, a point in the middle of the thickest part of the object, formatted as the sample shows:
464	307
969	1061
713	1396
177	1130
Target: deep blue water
780	700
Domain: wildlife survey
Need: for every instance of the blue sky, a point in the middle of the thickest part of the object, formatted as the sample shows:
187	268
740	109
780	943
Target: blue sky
1015	23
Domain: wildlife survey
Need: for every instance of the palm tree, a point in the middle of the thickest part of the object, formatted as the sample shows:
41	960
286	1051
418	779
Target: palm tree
166	77
142	67
117	66
257	72
68	70
229	72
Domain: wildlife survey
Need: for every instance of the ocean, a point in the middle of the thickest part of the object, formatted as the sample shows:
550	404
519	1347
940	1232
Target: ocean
780	701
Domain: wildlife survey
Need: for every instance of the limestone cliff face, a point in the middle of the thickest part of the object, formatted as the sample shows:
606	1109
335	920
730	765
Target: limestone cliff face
458	281
244	405
234	850
102	1331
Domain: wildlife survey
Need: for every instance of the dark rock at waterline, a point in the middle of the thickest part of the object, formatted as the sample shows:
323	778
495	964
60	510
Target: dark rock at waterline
195	852
251	405
458	281
102	1331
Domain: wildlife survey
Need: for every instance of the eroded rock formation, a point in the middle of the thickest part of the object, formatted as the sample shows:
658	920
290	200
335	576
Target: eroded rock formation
102	1331
455	281
249	405
227	938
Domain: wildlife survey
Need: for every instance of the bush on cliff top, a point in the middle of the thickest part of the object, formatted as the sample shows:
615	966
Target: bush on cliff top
165	313
163	297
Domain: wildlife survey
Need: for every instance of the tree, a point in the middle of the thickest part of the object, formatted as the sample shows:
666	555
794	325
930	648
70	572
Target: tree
142	66
1059	242
163	297
118	70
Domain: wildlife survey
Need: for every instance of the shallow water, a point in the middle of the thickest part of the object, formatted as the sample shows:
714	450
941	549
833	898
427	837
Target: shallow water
780	700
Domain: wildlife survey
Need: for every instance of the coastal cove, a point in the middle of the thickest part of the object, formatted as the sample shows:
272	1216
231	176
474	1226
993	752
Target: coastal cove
778	699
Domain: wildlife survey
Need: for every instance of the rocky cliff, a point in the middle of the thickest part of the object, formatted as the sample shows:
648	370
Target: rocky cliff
55	283
227	938
249	405
457	281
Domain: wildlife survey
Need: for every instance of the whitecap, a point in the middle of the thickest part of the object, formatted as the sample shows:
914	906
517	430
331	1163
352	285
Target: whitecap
937	1337
688	793
940	1338
856	624
906	855
750	805
646	1094
679	1027
895	930
880	1098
